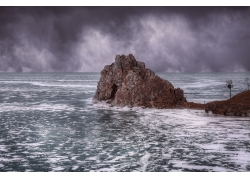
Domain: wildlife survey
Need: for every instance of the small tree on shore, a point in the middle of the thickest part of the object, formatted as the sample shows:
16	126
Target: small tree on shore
247	83
229	85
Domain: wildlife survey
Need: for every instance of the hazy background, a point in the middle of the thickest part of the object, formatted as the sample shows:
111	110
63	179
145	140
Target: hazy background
84	39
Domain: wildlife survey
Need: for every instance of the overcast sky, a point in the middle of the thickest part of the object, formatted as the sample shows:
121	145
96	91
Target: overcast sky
85	39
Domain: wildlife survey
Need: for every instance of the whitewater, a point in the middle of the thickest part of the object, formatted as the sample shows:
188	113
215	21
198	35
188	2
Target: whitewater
49	123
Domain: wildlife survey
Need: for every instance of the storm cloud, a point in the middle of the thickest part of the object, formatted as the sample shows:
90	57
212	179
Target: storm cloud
84	39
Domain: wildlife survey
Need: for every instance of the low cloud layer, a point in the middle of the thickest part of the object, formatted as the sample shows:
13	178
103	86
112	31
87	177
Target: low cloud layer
84	39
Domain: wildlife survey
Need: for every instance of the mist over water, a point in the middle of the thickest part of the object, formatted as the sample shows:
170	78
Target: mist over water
48	123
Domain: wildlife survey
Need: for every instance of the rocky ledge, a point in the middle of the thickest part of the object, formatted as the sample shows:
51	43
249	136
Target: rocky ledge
239	105
127	82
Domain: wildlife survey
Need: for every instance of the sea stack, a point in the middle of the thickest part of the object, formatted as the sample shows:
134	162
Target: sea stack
127	82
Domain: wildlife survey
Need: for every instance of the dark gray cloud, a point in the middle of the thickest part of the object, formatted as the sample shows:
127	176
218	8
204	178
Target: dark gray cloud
177	39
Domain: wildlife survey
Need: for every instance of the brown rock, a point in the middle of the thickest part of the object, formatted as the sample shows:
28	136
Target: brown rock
192	105
127	82
239	105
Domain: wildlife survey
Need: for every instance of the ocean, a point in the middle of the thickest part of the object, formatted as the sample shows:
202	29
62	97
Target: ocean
49	123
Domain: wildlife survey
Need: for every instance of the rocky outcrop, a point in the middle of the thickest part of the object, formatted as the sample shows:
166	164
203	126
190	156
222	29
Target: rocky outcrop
238	105
127	82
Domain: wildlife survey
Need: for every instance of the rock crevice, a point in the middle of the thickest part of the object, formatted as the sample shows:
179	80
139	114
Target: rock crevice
127	82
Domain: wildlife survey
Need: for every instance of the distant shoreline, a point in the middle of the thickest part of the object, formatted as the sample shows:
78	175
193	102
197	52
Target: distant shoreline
238	105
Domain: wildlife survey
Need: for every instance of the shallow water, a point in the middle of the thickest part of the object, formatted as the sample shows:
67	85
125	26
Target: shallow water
48	123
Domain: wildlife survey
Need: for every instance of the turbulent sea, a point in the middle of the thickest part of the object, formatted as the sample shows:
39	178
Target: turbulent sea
48	123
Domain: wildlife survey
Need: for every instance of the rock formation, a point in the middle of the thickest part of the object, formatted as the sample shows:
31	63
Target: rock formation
127	82
239	105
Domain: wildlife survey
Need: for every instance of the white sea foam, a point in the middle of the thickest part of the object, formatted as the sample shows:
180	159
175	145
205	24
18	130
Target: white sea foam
104	105
3	148
61	85
58	168
4	107
144	161
74	167
73	80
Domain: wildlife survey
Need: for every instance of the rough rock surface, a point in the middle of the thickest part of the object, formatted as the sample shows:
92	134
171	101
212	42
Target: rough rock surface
127	82
239	105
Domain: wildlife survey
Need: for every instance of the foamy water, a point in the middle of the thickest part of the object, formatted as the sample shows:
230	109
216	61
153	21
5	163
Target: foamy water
48	123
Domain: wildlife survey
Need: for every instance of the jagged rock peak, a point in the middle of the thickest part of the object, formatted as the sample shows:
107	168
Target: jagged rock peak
127	82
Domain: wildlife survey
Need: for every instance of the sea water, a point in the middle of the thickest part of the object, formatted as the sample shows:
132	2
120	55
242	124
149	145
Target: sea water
48	123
